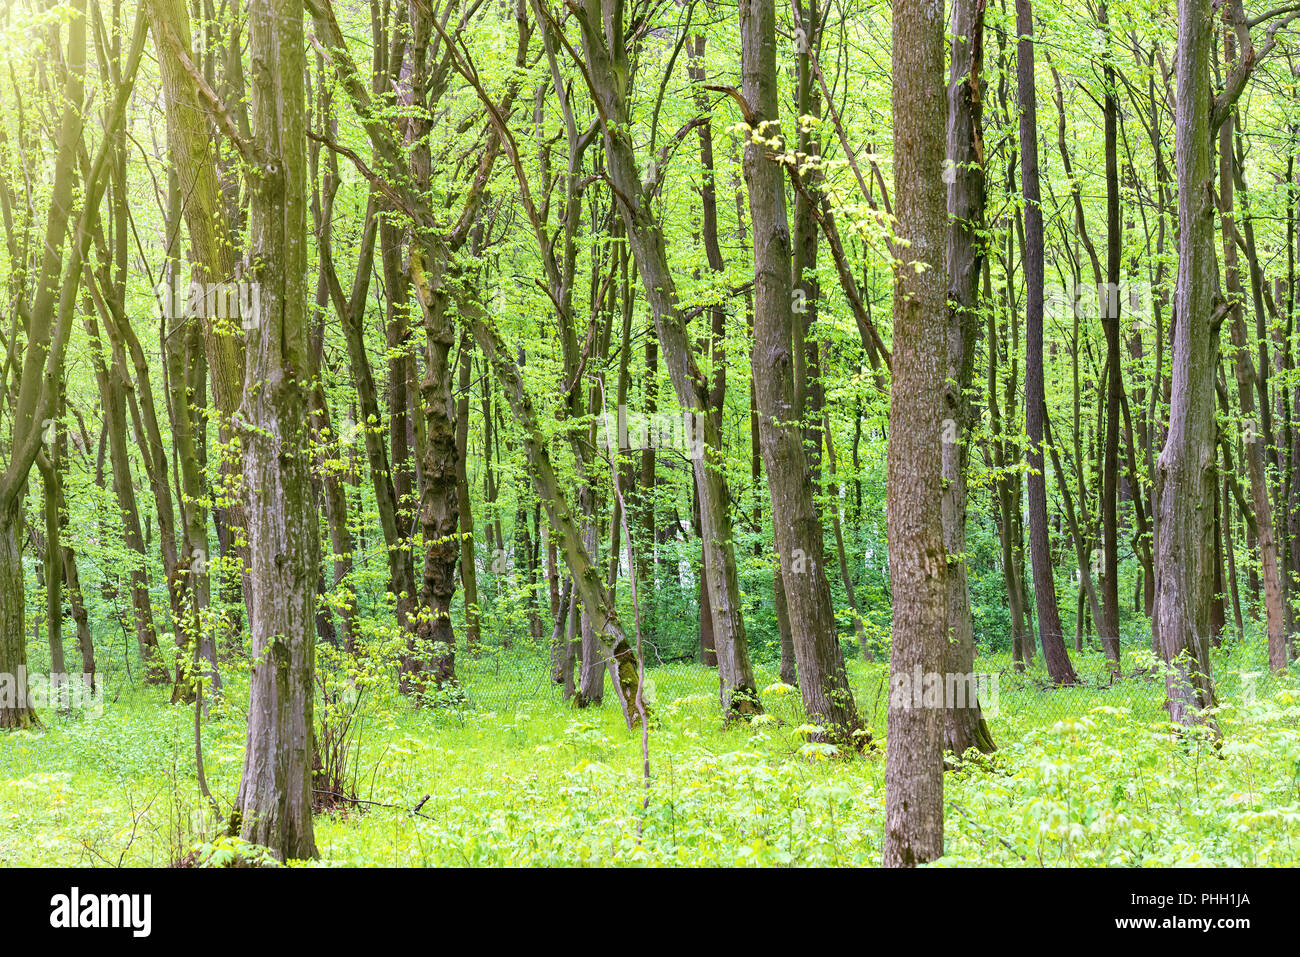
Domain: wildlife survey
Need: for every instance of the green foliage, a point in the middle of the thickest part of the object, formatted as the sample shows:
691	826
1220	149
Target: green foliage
1085	776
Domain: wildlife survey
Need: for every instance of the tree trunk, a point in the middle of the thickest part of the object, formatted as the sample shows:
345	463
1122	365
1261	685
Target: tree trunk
1108	624
433	655
1049	615
15	706
797	529
178	349
333	463
647	553
275	793
53	567
350	309
838	526
67	568
965	725
809	393
468	570
192	152
717	326
560	658
606	57
1229	559
1248	385
918	566
1184	558
708	647
1006	499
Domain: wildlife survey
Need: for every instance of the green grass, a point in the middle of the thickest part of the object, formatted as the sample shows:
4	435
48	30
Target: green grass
1084	776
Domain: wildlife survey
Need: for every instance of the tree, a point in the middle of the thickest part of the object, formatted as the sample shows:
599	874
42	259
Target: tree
918	565
605	48
1252	395
964	264
1040	551
796	524
47	312
1185	559
275	792
1110	312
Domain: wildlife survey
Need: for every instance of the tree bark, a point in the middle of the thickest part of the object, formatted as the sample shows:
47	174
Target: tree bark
965	727
468	570
275	793
15	708
796	525
1184	557
918	566
1040	551
1110	311
433	656
838	496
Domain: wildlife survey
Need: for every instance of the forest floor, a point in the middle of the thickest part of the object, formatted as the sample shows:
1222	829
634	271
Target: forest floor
514	776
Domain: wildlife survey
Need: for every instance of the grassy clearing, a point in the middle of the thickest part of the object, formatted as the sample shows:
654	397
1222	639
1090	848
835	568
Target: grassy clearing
514	777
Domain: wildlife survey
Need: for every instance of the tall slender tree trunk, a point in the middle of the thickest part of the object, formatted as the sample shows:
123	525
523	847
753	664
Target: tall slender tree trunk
1006	500
468	570
1229	560
1248	385
330	477
1108	624
605	48
1218	611
1293	300
53	566
837	491
1040	550
965	725
68	569
1185	553
591	650
433	656
646	554
789	670
918	565
797	528
178	352
350	309
717	322
809	392
397	331
192	151
708	645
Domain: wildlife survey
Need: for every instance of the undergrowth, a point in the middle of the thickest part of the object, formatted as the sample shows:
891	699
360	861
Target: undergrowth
1083	776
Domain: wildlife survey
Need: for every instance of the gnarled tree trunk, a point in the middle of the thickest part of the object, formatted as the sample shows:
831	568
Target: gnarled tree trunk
275	792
